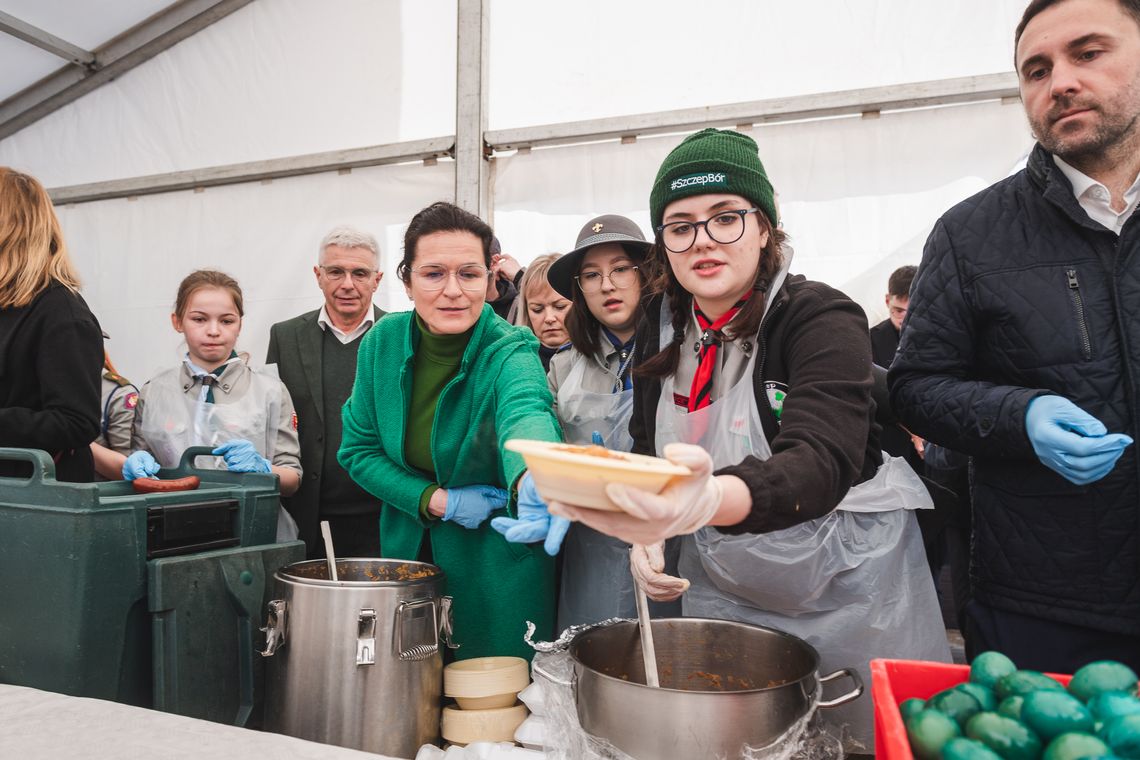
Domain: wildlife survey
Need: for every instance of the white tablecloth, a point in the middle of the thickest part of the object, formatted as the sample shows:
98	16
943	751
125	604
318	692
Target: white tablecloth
41	725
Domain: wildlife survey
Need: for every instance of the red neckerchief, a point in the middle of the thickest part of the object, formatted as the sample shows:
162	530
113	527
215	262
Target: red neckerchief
701	392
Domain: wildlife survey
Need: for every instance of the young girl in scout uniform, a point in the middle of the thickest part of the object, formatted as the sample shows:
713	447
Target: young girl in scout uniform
214	398
592	384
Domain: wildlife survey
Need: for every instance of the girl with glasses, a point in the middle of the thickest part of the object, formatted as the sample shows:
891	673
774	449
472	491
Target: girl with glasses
438	391
592	386
214	398
760	382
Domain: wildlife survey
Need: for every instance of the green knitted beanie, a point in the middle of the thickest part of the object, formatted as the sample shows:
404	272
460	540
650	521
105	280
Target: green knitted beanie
712	161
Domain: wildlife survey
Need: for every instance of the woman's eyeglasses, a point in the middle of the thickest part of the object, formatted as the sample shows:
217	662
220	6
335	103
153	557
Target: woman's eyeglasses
621	277
470	277
724	228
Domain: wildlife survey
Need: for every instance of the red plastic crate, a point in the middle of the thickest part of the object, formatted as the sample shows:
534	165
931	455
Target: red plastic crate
895	681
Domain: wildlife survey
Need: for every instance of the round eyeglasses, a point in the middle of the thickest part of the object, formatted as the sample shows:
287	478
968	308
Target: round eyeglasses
621	277
724	228
470	277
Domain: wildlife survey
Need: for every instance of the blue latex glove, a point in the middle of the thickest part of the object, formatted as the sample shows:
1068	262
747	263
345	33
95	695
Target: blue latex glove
241	456
1070	441
140	465
596	439
471	505
534	522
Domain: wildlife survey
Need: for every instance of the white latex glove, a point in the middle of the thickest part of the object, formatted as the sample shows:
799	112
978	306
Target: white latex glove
686	505
647	563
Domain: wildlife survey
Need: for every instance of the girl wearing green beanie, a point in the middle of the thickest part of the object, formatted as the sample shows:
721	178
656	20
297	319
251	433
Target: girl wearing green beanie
760	382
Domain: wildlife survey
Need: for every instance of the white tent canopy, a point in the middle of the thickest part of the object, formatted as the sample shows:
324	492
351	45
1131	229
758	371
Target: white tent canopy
601	90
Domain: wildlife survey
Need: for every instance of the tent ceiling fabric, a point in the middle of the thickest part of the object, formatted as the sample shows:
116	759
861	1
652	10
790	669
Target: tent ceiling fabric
86	25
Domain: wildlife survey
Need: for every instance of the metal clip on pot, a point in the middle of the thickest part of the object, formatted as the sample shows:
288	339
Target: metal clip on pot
366	637
845	698
274	629
446	623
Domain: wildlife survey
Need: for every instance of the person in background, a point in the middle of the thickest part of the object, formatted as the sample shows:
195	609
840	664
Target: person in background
543	309
120	397
51	348
1021	350
315	354
439	390
214	398
592	385
760	383
885	335
502	287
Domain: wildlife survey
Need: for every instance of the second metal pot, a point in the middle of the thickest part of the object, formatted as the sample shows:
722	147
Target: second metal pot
724	686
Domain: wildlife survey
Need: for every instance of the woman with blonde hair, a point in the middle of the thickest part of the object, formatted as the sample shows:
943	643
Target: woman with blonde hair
543	309
51	347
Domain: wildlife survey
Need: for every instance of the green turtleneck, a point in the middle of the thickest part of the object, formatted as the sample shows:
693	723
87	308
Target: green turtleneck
436	363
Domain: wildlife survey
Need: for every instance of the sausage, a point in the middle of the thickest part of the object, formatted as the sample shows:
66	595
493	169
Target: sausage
152	485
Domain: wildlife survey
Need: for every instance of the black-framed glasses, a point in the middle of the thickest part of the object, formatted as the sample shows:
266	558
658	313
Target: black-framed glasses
471	277
337	274
621	277
724	227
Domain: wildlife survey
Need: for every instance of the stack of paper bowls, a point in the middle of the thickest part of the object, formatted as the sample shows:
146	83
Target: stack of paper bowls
486	692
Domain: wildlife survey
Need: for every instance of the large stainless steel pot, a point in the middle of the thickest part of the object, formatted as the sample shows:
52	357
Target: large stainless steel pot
724	686
357	662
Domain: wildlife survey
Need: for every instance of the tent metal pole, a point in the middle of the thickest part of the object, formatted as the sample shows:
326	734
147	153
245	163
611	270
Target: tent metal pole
471	166
254	171
799	108
137	45
33	35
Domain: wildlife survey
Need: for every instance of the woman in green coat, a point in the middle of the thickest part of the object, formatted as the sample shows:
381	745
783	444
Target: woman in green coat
439	390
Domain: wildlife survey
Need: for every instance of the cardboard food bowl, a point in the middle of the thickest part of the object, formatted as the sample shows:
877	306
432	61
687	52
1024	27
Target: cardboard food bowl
578	475
483	683
467	726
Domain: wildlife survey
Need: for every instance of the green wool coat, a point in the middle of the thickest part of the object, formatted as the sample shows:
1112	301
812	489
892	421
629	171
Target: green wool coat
499	393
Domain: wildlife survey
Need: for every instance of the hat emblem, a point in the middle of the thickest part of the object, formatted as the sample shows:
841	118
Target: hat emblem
597	227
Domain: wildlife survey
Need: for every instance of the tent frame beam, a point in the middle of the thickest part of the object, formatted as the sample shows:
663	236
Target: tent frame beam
257	171
471	166
33	35
798	108
135	46
801	108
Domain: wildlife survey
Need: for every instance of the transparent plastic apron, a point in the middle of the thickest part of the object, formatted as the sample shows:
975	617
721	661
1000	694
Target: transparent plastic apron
596	581
173	421
854	583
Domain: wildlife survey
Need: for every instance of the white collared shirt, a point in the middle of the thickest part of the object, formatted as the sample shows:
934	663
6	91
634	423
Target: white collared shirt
326	324
1095	198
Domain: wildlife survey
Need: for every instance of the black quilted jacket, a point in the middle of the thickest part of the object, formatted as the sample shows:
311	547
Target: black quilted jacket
1019	295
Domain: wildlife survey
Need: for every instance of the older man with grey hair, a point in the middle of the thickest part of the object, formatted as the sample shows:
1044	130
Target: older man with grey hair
315	354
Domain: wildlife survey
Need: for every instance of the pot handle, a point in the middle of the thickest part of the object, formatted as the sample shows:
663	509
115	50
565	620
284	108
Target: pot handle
416	652
275	627
548	676
845	698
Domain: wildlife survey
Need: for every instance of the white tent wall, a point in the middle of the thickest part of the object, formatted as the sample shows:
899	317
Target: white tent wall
133	253
857	196
274	79
557	62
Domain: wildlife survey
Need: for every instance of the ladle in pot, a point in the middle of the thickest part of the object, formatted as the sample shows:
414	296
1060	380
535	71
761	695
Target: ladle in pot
326	534
648	652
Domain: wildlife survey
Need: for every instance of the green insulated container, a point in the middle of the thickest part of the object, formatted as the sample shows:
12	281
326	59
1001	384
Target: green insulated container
132	597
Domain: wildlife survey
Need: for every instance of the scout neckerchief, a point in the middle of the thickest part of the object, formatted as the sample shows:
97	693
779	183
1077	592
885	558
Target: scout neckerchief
625	360
209	378
700	395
